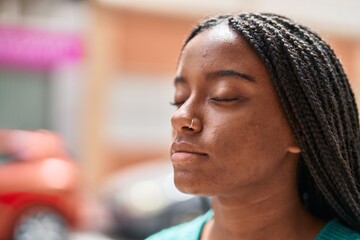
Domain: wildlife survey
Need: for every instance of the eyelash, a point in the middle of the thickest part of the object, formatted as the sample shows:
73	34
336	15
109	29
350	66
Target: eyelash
217	99
176	104
214	99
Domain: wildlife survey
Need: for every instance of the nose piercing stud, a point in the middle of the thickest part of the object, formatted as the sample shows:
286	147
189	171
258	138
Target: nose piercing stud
192	123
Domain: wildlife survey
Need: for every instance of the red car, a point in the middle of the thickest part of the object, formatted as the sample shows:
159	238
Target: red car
38	186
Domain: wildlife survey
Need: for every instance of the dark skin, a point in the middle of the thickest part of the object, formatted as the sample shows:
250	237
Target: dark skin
240	149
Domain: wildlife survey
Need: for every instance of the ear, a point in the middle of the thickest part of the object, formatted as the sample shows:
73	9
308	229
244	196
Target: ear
294	148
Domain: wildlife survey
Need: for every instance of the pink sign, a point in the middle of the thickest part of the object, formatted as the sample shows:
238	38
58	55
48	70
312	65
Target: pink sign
22	47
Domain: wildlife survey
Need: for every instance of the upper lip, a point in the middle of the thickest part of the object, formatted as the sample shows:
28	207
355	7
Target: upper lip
185	147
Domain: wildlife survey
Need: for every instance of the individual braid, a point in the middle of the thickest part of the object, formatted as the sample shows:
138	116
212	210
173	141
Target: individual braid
317	99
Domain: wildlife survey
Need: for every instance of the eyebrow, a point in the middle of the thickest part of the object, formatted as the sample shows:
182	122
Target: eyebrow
221	73
230	73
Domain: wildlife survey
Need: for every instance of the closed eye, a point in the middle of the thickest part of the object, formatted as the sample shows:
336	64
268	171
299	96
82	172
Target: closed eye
177	104
218	99
214	99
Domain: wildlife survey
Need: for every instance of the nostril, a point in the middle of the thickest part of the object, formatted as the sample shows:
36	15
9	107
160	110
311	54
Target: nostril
186	124
193	126
188	128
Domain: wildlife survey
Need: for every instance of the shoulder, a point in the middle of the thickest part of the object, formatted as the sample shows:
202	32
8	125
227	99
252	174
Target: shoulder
189	230
335	230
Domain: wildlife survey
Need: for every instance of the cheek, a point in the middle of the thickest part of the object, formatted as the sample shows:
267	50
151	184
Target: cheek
238	135
250	146
233	146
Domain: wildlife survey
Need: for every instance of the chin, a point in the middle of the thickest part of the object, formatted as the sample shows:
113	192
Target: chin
187	184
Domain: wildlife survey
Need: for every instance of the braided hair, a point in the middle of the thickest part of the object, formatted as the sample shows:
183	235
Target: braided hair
319	104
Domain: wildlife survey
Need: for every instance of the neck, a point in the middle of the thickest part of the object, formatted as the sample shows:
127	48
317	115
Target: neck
270	214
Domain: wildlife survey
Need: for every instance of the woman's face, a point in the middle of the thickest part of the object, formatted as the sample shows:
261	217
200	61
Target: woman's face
239	137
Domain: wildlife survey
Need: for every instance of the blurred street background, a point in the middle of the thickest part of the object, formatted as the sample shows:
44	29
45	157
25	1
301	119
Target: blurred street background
98	74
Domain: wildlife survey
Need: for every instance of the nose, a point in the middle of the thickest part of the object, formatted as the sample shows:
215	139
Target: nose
184	121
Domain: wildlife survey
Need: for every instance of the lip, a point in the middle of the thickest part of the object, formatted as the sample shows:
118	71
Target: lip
185	152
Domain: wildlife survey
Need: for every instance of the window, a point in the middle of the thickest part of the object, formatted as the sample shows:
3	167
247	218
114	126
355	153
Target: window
24	100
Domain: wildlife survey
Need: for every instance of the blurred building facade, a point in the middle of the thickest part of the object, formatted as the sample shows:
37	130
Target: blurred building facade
41	56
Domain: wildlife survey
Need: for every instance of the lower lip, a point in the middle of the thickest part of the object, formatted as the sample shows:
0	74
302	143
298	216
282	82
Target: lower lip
186	157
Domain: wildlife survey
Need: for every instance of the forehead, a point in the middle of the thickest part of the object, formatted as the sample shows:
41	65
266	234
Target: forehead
220	47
